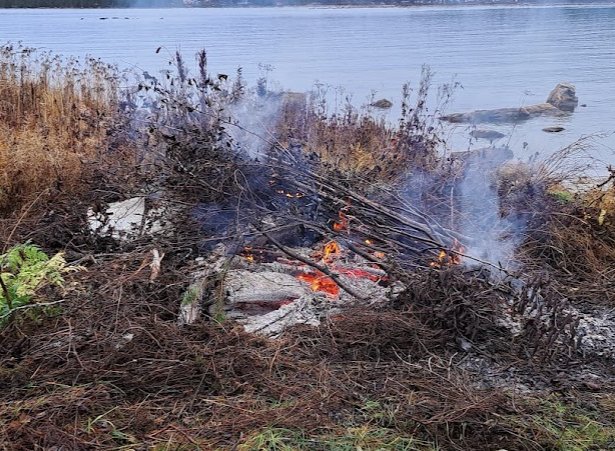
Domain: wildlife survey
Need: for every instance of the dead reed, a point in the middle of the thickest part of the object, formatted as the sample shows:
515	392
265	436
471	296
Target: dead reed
54	117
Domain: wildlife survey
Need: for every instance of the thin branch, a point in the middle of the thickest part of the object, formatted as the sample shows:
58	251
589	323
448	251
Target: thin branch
323	269
30	306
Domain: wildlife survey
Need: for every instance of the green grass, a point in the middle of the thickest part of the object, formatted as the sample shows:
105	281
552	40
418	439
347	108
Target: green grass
566	427
363	438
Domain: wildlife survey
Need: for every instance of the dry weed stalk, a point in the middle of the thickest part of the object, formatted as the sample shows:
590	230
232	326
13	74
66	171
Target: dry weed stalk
54	116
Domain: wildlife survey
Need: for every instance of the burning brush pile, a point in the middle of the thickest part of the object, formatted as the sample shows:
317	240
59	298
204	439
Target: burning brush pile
297	214
269	290
309	246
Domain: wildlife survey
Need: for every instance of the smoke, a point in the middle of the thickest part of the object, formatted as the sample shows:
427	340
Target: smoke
493	237
255	119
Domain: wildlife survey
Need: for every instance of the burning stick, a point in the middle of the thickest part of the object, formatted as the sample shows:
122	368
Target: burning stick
450	257
320	282
323	269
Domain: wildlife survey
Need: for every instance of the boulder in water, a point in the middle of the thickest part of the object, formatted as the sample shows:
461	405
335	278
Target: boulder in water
561	100
383	104
489	135
554	129
563	97
544	109
495	116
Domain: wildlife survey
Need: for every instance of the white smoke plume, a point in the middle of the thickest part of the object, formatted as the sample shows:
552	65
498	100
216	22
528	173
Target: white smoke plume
493	237
256	118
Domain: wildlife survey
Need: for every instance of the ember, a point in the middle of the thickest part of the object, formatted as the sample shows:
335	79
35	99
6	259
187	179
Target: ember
341	225
331	251
378	254
320	282
247	254
361	274
290	195
449	258
259	255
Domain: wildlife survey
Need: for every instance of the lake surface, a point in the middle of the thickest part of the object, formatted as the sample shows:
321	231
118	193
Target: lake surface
502	56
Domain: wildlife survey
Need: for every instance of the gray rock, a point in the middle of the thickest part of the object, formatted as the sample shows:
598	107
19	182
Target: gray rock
544	109
382	104
500	115
561	100
126	220
563	97
554	129
489	135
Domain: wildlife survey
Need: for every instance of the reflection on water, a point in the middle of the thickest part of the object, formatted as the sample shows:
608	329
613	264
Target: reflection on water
503	56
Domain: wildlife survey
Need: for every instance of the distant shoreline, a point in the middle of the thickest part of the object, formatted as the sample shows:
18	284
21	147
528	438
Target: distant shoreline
399	4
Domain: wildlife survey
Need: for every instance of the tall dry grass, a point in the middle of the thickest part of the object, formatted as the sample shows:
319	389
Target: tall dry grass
55	114
364	144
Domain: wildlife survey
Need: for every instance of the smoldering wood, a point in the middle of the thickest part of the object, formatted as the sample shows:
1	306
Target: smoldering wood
315	265
413	224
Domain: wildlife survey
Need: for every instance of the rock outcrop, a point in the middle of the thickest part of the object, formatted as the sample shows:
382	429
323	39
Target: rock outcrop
495	116
561	101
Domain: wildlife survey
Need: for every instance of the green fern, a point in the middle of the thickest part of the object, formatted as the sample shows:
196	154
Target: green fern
25	269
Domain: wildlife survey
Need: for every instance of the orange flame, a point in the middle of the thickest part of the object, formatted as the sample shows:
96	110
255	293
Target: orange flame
378	254
320	282
247	254
341	225
331	250
449	258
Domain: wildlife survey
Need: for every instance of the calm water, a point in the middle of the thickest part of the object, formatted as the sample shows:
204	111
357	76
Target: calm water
503	56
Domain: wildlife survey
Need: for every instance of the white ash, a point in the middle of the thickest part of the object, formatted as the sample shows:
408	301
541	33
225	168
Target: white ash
596	332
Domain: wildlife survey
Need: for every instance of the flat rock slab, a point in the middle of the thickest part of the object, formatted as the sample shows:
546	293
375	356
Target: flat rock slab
128	219
561	101
500	115
120	220
553	129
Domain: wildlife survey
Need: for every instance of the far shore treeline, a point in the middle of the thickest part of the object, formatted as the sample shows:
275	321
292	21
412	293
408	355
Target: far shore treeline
218	3
87	3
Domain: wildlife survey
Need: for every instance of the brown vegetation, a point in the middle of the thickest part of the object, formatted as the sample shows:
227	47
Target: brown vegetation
109	367
55	116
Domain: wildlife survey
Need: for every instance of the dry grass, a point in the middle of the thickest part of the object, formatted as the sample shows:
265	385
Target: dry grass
571	231
54	118
361	145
